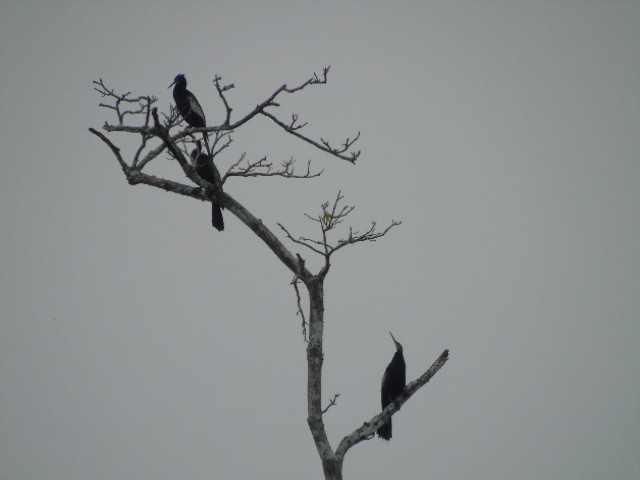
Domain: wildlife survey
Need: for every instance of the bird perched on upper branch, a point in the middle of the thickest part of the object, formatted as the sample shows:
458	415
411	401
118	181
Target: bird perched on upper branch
208	171
393	382
188	106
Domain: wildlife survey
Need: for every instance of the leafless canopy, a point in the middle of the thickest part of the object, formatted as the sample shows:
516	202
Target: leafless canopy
138	116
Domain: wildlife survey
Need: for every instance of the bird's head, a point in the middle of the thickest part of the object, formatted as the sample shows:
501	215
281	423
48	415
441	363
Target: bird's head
398	345
180	79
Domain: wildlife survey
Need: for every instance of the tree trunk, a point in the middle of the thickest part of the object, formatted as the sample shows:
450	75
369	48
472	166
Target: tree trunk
331	465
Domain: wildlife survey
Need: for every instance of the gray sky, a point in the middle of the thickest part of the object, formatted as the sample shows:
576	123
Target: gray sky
138	343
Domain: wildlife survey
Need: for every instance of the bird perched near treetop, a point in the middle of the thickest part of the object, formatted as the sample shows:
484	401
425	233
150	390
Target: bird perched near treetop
188	106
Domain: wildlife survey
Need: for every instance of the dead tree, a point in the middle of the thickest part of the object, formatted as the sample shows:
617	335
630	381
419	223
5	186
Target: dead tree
160	137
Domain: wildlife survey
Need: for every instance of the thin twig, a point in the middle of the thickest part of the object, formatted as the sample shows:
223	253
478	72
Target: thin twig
323	144
332	402
300	310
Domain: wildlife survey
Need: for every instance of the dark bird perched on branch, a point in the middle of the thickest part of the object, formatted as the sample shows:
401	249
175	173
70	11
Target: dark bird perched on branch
188	105
393	382
208	172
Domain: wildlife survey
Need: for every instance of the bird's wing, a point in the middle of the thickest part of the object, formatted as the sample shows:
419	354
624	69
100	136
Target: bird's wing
194	106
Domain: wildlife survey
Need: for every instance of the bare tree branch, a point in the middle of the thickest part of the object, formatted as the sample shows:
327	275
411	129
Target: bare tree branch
270	101
292	127
323	144
221	89
221	141
332	402
143	102
333	215
300	240
114	149
300	310
263	168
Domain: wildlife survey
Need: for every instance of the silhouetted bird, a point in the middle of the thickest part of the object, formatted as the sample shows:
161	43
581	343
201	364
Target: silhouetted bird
393	382
188	105
208	171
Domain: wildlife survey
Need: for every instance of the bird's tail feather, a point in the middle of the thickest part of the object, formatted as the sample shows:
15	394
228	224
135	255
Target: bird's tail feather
216	217
384	432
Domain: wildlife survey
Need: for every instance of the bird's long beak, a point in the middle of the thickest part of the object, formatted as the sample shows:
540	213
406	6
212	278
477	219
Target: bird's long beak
172	84
398	345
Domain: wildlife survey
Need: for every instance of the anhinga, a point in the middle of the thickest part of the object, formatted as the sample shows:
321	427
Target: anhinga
208	172
393	382
188	105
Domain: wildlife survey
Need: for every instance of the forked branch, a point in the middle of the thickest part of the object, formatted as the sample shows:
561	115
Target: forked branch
323	145
263	168
118	102
330	217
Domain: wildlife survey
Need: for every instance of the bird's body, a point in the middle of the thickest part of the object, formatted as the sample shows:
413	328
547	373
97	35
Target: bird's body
188	106
187	103
208	172
393	382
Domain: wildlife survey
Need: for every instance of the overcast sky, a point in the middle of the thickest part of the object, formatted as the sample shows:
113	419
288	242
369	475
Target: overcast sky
138	343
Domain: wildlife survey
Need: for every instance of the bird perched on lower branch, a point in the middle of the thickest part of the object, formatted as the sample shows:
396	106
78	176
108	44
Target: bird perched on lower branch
208	172
393	382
